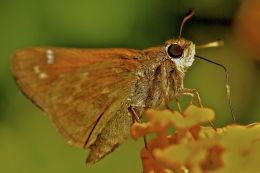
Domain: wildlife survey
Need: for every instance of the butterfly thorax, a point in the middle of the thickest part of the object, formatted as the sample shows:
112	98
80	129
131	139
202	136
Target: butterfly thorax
161	77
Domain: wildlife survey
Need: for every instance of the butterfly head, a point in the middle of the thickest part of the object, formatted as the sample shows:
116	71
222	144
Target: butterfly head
181	52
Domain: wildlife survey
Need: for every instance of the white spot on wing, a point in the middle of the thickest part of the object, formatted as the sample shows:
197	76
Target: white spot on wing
50	56
36	69
43	75
39	73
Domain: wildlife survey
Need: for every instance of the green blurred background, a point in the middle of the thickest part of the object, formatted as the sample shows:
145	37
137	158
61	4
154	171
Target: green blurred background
29	143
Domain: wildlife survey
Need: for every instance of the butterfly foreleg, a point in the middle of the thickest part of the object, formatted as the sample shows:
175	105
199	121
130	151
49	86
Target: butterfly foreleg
190	92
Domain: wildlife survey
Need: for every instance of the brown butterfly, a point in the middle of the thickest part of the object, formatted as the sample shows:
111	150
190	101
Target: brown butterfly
92	95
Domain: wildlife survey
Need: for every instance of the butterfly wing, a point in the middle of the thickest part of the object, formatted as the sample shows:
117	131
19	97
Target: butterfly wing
84	100
85	92
35	69
76	87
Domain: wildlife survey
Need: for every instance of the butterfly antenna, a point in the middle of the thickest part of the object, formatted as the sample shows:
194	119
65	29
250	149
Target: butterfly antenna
189	14
227	84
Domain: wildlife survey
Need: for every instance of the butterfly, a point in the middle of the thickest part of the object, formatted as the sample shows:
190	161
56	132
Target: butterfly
92	96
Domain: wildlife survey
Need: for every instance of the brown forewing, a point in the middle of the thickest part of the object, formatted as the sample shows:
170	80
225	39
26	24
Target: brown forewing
35	75
82	90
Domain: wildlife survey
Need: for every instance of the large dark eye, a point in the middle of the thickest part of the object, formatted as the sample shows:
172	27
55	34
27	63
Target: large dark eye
175	51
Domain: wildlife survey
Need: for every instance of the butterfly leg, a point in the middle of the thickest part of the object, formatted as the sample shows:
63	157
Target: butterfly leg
166	103
193	93
137	119
178	105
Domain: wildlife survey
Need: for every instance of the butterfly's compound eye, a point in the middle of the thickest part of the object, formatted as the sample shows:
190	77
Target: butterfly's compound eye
175	51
